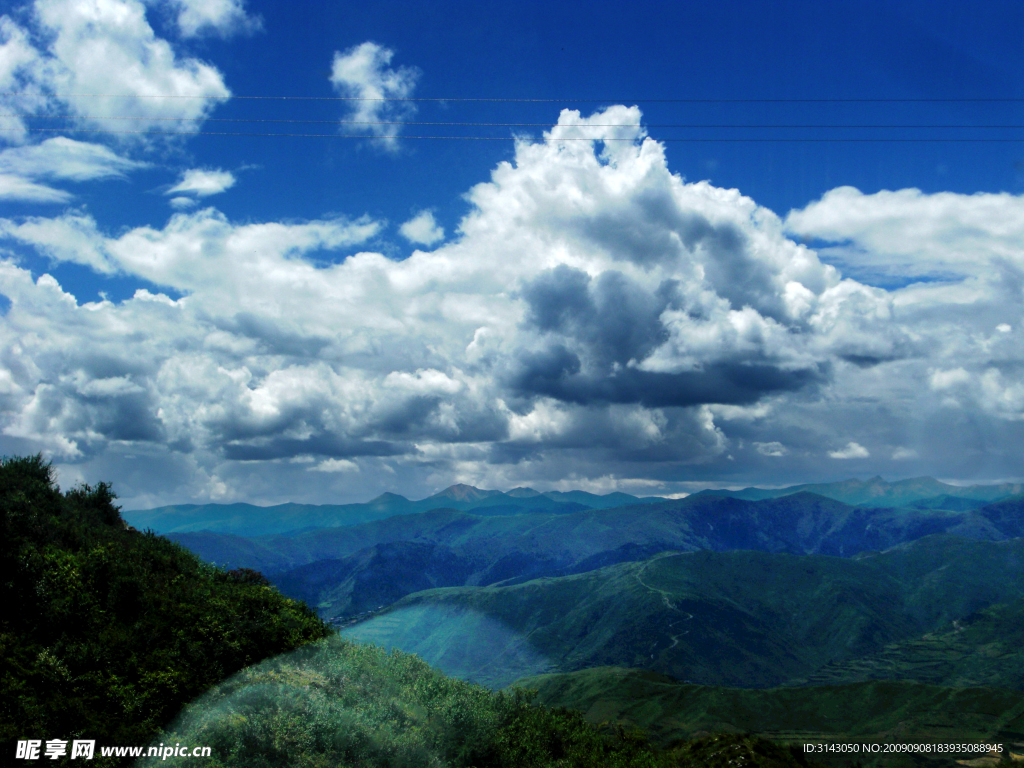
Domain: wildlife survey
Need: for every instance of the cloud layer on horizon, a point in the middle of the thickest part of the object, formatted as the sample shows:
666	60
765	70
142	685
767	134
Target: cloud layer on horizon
595	322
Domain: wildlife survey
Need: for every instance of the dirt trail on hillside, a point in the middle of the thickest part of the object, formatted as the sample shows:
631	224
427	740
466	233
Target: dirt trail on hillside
668	603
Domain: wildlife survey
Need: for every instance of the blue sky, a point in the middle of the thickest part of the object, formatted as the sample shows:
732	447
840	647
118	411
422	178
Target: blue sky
322	318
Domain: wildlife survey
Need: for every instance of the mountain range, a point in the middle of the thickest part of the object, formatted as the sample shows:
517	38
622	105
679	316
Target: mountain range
345	571
926	492
124	640
737	610
252	520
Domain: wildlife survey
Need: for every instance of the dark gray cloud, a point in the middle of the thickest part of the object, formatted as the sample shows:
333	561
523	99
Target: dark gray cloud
597	329
131	418
329	446
614	317
272	336
555	372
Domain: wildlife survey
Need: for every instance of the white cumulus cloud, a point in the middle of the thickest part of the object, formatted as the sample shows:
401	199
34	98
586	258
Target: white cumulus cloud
101	60
182	203
422	229
773	448
851	451
14	187
908	233
203	182
22	78
362	73
64	158
335	465
60	158
219	17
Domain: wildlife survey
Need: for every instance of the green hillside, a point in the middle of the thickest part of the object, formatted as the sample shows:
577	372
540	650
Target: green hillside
984	649
374	577
742	618
880	711
106	632
735	618
945	577
346	571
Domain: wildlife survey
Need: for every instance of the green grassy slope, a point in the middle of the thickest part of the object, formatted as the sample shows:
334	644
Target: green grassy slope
893	711
737	618
945	577
374	577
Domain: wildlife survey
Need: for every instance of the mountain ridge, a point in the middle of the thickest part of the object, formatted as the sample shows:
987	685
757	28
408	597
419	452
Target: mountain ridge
241	518
879	492
544	543
253	520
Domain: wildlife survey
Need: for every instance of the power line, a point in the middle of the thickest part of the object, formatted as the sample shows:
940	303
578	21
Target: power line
523	100
507	125
495	138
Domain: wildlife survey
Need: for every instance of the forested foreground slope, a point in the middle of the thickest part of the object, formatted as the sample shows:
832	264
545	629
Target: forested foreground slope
107	632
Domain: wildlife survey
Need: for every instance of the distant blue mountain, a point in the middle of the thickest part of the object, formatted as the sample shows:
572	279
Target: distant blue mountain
916	492
513	548
251	520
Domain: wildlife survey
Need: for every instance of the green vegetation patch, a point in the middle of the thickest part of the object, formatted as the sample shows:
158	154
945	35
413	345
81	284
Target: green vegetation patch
876	711
984	649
